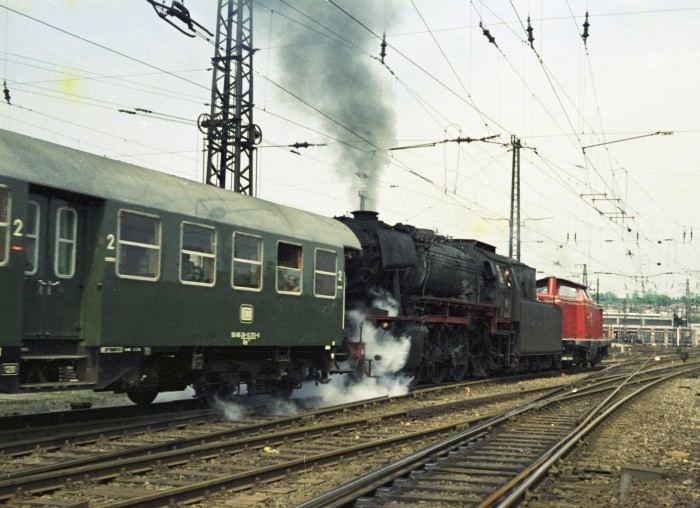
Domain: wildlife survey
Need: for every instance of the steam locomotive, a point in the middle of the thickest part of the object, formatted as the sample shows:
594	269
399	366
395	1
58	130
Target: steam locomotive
468	310
118	278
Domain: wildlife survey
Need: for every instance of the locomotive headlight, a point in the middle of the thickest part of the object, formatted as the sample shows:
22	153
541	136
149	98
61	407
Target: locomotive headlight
385	325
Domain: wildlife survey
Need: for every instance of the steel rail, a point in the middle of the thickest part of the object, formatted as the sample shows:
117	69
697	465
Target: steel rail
350	491
108	465
510	493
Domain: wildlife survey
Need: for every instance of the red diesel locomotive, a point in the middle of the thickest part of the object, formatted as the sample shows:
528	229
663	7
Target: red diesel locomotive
581	323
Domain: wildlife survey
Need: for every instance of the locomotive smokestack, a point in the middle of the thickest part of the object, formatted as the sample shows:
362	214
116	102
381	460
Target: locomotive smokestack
365	215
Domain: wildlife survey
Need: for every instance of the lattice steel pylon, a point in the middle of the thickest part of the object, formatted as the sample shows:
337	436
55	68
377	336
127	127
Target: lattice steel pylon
514	244
231	134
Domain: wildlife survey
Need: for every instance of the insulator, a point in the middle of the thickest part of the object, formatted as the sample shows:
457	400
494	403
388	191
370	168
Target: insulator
488	35
586	24
6	91
382	53
530	38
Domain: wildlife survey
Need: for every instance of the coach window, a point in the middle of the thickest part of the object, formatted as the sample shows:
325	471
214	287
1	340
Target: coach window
198	255
138	252
66	240
246	272
4	225
324	273
31	237
288	268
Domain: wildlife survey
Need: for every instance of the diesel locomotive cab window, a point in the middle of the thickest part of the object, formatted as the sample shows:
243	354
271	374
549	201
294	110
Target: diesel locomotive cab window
324	273
247	262
31	237
198	260
288	268
138	252
66	236
4	225
568	292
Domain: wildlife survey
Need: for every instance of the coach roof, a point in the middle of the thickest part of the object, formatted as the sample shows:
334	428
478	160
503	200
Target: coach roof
43	163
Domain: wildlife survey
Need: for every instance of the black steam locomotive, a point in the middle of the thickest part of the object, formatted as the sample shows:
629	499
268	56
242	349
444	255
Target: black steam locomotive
468	311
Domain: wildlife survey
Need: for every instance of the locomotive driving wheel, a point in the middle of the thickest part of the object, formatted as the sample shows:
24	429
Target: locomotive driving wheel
447	355
437	355
436	373
458	355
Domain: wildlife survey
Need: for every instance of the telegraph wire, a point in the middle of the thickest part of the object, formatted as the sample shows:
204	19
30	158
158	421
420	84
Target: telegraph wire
101	77
124	55
423	70
568	135
442	52
79	141
549	78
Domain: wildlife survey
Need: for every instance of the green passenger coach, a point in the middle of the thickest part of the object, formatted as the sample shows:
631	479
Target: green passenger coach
115	277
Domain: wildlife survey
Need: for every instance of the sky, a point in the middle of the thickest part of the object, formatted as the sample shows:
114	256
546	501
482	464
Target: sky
608	124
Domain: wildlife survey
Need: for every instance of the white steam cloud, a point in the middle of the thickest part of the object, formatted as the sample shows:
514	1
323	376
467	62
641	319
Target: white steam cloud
388	355
387	352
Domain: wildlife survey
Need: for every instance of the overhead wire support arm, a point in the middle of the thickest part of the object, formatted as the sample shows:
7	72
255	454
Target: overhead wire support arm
179	11
657	133
456	140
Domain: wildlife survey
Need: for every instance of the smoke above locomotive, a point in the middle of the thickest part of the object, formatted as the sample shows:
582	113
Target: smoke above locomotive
354	102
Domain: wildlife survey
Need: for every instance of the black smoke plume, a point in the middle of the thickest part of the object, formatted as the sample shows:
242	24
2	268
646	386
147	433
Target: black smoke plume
337	70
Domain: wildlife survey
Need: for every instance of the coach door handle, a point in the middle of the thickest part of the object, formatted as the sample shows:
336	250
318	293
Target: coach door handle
49	284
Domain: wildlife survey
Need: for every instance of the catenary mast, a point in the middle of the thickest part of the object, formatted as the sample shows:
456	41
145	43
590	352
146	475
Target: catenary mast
231	133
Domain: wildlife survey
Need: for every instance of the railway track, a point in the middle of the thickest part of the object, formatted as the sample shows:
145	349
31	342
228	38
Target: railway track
238	456
21	433
25	441
248	453
496	461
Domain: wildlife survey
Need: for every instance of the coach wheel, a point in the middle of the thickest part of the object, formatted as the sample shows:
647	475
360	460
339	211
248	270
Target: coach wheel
283	389
142	398
214	394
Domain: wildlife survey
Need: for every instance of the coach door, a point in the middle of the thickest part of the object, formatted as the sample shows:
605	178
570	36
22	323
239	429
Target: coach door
54	232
